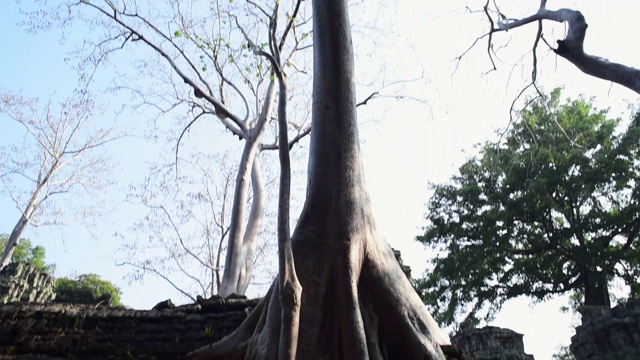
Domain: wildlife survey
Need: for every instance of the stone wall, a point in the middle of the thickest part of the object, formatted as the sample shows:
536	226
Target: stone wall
405	268
24	282
65	331
492	343
608	333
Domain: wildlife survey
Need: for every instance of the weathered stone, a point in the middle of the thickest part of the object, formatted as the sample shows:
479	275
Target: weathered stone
405	268
65	331
608	333
492	343
236	297
24	282
162	305
217	304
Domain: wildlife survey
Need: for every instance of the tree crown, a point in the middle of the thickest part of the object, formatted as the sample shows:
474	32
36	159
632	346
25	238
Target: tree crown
551	209
27	253
88	288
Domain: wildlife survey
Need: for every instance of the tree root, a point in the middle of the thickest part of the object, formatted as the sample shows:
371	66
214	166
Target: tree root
354	306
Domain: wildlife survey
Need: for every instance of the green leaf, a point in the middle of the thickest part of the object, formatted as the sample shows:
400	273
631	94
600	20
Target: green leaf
549	204
87	287
26	253
178	33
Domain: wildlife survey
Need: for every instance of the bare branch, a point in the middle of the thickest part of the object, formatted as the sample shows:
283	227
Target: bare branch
159	274
221	110
177	233
572	46
366	100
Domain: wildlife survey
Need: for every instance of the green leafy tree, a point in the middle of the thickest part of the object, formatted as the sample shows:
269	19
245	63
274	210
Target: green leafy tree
26	253
552	209
87	289
564	353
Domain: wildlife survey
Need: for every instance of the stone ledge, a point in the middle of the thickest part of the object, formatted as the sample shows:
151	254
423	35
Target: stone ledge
492	343
62	331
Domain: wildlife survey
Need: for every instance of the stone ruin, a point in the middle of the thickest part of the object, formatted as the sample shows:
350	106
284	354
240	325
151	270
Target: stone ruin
65	331
74	331
31	327
405	268
24	282
492	343
608	333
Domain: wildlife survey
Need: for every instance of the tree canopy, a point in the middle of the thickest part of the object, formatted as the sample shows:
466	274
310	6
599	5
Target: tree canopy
89	289
551	208
25	252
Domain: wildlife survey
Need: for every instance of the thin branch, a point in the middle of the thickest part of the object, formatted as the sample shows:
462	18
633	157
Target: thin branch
165	278
365	101
184	246
220	109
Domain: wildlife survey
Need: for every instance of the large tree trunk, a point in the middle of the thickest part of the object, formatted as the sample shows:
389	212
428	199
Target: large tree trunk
596	289
356	301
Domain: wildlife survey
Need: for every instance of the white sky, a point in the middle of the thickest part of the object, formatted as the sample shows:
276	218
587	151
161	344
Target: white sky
406	146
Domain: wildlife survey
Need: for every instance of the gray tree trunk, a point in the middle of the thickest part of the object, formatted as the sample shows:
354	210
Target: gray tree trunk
356	301
254	226
18	229
236	260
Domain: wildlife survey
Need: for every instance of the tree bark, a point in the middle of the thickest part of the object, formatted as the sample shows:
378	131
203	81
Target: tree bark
18	229
356	302
596	289
572	47
254	226
235	263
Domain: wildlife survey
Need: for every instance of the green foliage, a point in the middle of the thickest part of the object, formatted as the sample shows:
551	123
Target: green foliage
87	289
552	209
208	331
26	253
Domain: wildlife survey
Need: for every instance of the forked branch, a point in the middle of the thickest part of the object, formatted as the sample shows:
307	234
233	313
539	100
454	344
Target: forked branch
570	48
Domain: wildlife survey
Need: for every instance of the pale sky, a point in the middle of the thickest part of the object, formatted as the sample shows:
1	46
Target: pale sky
405	145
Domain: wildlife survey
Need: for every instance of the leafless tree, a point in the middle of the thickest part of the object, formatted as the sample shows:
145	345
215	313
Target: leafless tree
211	50
58	156
181	237
353	300
214	57
570	48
